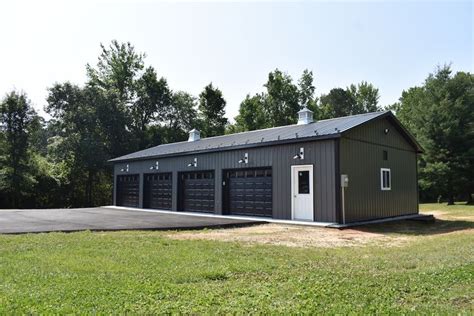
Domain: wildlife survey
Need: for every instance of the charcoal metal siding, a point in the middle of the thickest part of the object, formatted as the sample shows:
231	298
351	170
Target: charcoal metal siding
279	157
361	158
374	132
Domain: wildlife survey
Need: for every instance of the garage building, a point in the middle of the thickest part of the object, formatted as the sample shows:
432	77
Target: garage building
341	170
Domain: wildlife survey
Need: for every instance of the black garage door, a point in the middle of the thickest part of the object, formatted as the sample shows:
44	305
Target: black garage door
157	191
248	192
196	191
127	190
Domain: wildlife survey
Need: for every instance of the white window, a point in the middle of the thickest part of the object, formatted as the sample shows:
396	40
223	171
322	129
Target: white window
385	179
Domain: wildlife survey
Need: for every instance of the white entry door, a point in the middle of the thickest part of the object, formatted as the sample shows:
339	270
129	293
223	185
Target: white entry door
302	192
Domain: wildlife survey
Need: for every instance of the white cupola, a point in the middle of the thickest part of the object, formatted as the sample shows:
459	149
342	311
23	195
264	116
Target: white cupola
305	116
194	135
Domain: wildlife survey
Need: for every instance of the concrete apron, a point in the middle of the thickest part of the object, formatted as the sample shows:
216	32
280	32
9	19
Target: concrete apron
252	218
421	217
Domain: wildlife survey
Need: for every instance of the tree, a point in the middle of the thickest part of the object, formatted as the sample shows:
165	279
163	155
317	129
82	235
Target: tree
355	99
181	117
79	139
251	114
115	79
38	135
152	104
212	110
306	92
118	69
132	97
16	116
441	115
338	102
278	105
281	100
366	97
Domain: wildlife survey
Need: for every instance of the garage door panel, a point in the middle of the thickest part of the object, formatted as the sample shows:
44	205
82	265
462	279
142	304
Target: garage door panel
158	191
128	190
249	192
197	191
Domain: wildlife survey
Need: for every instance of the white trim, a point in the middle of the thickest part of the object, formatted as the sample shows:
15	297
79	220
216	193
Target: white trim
311	189
389	187
248	218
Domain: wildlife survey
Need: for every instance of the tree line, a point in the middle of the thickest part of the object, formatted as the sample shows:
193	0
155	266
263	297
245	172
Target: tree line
440	114
125	106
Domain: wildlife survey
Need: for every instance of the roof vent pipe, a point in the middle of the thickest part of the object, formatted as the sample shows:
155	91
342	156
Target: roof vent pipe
194	135
305	116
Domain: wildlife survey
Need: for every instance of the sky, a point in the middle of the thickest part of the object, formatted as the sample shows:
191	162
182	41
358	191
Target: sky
393	45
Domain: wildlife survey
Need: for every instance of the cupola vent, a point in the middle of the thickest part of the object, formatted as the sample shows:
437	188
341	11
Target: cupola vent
305	116
194	135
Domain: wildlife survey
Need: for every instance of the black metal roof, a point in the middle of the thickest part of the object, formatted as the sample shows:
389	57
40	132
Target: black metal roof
323	129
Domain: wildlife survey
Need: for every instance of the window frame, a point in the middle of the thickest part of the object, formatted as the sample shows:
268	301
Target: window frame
389	187
302	189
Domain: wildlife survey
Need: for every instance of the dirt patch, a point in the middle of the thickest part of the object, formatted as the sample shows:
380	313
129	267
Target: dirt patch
293	236
451	216
393	234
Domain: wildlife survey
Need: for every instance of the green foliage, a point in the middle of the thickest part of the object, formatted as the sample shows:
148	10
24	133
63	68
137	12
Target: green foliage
47	190
359	99
306	92
212	110
278	105
16	117
281	99
26	179
181	118
338	102
251	114
117	70
366	97
149	273
79	129
154	100
130	99
124	106
441	115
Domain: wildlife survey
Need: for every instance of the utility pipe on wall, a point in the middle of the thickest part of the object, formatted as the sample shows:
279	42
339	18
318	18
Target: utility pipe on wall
344	185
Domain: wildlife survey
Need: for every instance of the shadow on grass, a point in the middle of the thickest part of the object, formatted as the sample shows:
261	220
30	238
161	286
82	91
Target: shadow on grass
417	228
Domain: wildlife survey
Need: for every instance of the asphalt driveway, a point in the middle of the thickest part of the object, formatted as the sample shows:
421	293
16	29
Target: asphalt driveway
103	219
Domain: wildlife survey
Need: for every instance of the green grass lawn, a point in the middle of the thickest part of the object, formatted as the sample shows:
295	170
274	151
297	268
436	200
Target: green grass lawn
146	272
